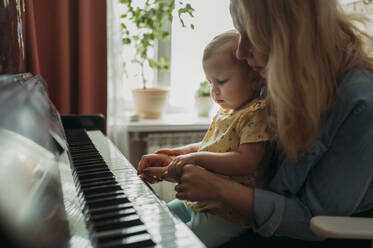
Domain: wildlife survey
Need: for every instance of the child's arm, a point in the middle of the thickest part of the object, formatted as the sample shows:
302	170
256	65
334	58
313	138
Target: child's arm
180	150
241	162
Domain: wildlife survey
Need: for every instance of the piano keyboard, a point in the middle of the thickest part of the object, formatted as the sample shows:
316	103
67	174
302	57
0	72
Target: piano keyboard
118	207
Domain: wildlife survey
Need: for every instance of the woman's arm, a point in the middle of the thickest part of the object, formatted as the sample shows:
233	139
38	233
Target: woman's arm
198	184
339	184
244	161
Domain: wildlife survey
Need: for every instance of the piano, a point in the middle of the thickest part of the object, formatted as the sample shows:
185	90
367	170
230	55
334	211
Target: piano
64	184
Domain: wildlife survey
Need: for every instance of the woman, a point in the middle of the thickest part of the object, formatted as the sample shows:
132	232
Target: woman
320	85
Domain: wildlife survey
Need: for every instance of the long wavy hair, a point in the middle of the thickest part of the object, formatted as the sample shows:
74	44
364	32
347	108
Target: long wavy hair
309	43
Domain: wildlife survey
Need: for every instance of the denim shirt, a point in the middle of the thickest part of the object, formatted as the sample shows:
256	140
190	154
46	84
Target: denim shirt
335	179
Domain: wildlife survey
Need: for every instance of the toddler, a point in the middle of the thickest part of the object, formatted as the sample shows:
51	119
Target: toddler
235	145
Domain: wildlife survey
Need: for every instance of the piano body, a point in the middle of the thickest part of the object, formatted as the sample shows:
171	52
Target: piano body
64	184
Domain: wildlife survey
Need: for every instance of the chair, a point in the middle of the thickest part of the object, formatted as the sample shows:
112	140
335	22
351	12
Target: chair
343	227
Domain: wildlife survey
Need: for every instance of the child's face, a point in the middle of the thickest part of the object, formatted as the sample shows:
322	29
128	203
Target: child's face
231	81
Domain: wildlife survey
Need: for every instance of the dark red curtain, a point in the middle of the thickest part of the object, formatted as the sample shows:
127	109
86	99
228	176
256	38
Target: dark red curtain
66	44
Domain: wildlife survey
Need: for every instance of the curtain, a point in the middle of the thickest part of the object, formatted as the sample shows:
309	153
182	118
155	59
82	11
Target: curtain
66	45
117	127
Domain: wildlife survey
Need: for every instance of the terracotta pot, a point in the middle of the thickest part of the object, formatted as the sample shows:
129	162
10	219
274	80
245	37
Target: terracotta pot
150	103
203	105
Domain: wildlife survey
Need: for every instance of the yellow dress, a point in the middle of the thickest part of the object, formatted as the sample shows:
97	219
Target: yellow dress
227	131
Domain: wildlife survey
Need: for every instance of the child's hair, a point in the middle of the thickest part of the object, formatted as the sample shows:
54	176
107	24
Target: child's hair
227	42
228	39
309	43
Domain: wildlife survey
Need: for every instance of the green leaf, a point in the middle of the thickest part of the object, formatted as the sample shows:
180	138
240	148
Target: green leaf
204	89
152	63
166	35
148	21
126	41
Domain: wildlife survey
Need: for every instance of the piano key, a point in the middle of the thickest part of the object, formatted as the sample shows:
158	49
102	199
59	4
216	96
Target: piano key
91	168
127	221
135	241
118	233
90	180
86	160
109	181
109	201
114	214
89	175
111	213
101	189
103	210
98	163
103	195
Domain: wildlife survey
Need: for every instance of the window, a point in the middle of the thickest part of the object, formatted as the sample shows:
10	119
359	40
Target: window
186	47
211	17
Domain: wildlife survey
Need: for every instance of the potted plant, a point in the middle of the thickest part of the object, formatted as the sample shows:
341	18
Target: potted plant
143	26
203	101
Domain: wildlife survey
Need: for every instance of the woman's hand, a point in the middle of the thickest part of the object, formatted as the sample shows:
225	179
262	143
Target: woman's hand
198	184
175	168
152	166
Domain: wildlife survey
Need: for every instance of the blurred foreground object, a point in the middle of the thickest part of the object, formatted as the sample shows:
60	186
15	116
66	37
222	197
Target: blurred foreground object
31	204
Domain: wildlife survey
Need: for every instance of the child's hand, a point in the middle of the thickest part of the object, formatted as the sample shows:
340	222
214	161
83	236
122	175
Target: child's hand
172	152
152	166
175	168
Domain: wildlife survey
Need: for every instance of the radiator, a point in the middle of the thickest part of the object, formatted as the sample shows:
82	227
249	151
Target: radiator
156	141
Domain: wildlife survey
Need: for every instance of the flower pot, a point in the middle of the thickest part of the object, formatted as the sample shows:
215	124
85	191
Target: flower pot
149	103
203	105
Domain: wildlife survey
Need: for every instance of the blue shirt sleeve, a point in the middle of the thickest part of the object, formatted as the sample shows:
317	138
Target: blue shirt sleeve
333	181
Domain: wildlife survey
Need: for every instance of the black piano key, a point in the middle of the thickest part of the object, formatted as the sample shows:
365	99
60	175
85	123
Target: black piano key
85	156
91	180
110	235
91	168
128	221
101	189
90	175
109	214
135	241
107	182
87	160
108	209
78	143
81	149
98	163
103	195
105	202
113	215
97	170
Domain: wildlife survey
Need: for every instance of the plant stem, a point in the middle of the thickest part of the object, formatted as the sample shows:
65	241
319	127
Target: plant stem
143	75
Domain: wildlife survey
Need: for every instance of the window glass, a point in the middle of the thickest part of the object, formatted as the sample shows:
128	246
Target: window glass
211	17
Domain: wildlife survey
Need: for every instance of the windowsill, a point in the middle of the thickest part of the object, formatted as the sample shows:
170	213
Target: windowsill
169	123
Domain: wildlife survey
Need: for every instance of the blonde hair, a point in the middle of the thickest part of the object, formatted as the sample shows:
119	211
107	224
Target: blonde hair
227	42
309	43
229	37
